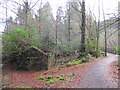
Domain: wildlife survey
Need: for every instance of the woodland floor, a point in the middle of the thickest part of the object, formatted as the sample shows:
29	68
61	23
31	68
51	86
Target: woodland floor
101	73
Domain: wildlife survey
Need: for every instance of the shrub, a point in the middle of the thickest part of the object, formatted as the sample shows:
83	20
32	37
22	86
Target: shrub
18	39
63	50
89	56
91	48
117	50
4	81
84	59
81	54
13	40
95	53
48	44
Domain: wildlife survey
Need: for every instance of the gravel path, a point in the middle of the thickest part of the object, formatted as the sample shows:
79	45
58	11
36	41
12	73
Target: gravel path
97	76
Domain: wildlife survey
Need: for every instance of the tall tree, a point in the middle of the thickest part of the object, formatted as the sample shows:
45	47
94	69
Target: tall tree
69	21
72	22
82	48
119	17
105	30
59	25
6	17
97	32
39	18
47	20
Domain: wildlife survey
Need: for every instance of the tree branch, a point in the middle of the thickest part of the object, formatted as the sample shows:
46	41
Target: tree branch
76	9
113	33
34	4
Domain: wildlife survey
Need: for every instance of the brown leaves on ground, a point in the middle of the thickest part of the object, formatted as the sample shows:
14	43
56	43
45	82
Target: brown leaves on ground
28	78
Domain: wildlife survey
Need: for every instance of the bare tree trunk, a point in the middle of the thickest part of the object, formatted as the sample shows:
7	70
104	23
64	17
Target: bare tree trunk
97	47
105	37
26	13
119	28
40	31
39	25
69	27
119	19
105	32
56	37
6	19
89	31
83	28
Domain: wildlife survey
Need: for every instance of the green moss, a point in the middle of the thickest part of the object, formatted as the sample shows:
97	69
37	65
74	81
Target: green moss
62	84
71	74
40	78
22	87
49	77
74	63
61	78
47	80
51	82
62	75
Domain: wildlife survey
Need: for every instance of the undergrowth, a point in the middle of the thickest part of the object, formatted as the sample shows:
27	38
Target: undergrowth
48	80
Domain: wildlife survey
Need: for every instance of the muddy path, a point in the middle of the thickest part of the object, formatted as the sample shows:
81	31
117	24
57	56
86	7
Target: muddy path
98	76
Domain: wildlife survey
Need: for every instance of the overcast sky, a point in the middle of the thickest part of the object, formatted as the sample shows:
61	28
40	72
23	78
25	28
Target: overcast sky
110	6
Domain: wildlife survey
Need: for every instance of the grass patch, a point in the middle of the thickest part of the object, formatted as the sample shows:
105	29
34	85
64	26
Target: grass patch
47	80
51	81
49	77
40	78
23	87
62	75
71	74
62	84
61	78
74	63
